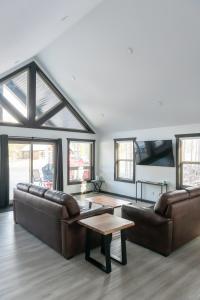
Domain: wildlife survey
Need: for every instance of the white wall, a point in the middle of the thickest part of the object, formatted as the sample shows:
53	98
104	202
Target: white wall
53	134
105	156
106	163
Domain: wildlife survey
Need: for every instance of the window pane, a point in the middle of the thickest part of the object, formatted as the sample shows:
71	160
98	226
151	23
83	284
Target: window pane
64	119
43	165
45	97
190	150
191	174
124	160
19	165
125	170
125	150
80	161
6	117
15	91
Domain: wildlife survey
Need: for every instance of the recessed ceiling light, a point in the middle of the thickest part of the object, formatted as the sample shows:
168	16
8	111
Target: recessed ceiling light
130	50
64	18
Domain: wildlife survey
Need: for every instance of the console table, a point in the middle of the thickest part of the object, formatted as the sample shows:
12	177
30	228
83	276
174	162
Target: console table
161	184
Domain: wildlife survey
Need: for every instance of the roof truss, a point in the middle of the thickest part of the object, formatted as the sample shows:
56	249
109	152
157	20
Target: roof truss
44	121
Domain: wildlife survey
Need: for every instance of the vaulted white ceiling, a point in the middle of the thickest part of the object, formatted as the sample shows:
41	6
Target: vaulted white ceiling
126	64
27	26
156	85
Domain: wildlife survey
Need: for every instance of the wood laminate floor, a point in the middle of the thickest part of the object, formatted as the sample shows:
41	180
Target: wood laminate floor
30	270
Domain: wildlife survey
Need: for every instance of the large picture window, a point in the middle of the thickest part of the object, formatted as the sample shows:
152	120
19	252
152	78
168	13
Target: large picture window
81	160
29	99
188	160
31	161
124	160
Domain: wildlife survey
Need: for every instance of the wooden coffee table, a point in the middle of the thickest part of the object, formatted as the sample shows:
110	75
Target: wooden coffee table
108	201
106	224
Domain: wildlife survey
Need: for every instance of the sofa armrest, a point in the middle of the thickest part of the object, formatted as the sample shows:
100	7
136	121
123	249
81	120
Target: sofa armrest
88	214
144	215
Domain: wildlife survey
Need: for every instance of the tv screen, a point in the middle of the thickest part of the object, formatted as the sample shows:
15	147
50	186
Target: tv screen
155	153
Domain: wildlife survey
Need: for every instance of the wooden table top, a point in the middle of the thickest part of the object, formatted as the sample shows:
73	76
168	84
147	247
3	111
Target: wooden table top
108	201
106	223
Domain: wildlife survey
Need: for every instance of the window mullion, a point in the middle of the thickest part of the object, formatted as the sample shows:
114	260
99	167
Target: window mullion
31	162
32	94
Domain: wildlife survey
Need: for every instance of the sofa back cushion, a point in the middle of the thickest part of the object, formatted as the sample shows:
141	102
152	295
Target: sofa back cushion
58	197
64	199
23	186
37	190
169	198
42	205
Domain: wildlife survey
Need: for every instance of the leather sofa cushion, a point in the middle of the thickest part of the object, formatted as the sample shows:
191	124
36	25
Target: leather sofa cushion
53	210
64	199
169	198
193	191
23	186
37	190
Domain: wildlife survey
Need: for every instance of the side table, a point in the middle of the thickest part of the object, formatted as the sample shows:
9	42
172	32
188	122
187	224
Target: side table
97	185
106	224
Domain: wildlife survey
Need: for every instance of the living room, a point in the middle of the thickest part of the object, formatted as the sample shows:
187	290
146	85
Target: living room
99	149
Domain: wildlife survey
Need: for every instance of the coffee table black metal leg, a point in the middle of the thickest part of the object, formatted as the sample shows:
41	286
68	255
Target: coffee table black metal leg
102	245
103	242
87	244
123	247
107	241
105	249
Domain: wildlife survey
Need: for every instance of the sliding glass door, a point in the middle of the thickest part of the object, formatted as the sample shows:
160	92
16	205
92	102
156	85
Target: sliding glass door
19	165
31	161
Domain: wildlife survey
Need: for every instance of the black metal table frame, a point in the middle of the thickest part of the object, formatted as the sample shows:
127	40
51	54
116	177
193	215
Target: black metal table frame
97	185
151	183
105	250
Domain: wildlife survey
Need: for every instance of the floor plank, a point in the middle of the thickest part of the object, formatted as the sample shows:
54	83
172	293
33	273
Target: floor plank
32	270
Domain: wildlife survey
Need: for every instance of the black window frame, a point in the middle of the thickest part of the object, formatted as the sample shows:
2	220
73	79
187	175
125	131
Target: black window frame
92	158
179	175
116	178
32	140
31	121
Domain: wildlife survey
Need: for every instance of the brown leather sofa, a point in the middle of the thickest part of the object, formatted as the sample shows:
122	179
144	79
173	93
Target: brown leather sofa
52	216
172	222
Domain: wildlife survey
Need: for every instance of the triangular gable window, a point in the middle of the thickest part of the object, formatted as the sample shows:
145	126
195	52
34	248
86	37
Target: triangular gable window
5	117
29	99
14	90
64	119
45	97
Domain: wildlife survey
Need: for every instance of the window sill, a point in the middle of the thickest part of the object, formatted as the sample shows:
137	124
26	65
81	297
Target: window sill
124	180
78	182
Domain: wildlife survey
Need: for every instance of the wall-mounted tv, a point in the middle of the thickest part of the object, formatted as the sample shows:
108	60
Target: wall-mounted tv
155	153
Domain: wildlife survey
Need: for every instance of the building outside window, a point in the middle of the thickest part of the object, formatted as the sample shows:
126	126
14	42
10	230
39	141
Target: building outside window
124	160
31	161
188	161
81	160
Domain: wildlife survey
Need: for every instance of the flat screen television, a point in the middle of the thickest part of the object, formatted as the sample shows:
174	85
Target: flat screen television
154	153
